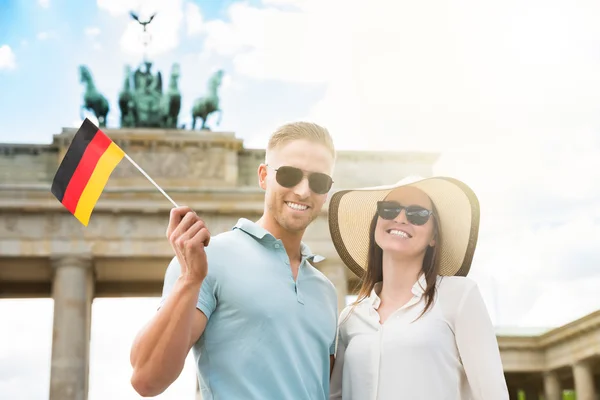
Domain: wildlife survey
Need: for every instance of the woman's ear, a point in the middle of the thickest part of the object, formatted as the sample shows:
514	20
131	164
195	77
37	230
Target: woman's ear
433	238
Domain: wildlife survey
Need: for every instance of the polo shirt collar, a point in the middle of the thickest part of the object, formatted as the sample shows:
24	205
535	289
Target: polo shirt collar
253	229
418	289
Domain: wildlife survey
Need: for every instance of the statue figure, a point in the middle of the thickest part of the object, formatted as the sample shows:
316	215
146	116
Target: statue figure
204	106
147	96
171	101
129	115
93	100
142	101
142	23
145	35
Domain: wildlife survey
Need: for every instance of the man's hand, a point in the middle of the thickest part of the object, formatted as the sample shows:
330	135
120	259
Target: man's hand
188	237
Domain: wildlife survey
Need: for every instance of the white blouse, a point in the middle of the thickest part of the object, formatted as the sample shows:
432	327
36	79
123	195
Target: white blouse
450	353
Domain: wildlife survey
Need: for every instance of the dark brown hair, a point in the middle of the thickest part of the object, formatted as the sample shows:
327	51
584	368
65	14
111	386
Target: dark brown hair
374	272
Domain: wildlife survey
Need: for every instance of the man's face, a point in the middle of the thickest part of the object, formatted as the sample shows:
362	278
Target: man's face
294	208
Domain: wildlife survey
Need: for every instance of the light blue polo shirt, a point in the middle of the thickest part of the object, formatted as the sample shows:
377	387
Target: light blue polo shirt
267	336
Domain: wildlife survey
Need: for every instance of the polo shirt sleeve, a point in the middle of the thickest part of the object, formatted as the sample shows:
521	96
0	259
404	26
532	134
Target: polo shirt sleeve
173	272
207	300
478	347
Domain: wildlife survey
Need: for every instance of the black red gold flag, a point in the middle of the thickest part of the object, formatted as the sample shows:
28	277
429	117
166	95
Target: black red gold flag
85	170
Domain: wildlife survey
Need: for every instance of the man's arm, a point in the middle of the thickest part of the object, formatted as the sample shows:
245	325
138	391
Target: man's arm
159	350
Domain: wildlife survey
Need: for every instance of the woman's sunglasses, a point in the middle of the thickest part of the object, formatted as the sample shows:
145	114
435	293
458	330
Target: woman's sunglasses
288	177
416	215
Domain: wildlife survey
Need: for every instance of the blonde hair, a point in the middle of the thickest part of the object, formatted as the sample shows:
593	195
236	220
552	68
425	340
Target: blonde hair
301	131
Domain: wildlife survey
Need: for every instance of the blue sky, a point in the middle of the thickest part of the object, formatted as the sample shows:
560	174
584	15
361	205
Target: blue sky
507	92
49	43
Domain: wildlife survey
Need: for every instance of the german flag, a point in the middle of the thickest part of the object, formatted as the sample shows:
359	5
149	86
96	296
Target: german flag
85	169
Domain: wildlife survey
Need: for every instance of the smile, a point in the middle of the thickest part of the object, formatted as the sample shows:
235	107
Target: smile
397	232
296	206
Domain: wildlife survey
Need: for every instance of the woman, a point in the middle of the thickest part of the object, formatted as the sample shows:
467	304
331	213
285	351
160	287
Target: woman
419	329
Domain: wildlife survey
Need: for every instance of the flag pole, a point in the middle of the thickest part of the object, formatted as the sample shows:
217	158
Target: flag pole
150	179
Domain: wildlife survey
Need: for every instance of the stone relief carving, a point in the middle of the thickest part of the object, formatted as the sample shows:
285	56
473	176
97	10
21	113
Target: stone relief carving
157	165
207	164
186	163
11	223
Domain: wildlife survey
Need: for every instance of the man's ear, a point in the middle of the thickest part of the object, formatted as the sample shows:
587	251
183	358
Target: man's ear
262	176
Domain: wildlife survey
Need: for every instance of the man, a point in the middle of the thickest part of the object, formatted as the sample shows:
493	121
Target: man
261	319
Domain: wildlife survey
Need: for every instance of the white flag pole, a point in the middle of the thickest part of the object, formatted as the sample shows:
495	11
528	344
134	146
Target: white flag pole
150	179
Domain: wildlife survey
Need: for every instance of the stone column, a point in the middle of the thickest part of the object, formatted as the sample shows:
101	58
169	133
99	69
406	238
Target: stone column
335	271
584	381
552	387
72	291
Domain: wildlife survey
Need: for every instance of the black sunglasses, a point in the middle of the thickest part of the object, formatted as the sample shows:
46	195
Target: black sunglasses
288	177
416	215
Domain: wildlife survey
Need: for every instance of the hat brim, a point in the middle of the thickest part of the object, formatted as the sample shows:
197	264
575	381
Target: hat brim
351	212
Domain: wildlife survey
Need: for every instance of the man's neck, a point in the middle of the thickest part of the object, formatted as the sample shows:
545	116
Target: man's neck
291	240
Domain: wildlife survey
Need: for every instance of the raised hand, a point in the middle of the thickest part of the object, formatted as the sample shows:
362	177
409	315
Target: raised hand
188	236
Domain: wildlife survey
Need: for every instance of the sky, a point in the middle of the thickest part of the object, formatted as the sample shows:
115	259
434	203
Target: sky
507	92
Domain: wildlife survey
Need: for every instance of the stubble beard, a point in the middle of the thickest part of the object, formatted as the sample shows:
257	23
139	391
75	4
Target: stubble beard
289	223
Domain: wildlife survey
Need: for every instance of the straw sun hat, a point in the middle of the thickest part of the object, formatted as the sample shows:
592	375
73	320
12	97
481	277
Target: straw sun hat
351	211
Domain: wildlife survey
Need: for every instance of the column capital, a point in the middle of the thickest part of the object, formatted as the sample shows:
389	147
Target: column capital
584	362
550	373
71	260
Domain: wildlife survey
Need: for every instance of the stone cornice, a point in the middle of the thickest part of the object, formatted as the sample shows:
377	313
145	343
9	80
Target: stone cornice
588	323
80	260
356	155
37	198
374	155
518	342
25	148
160	137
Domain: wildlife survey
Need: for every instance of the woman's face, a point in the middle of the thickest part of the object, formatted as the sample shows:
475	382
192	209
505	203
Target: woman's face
399	235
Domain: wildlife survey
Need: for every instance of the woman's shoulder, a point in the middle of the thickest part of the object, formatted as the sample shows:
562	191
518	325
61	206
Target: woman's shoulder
455	282
355	307
453	289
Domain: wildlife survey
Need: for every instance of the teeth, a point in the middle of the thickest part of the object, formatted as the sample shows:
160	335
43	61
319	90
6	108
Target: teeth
298	207
399	233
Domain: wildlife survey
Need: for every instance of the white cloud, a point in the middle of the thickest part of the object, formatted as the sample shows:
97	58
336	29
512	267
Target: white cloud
8	60
110	368
115	322
281	44
118	8
25	348
163	33
44	3
46	35
576	299
92	31
193	19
